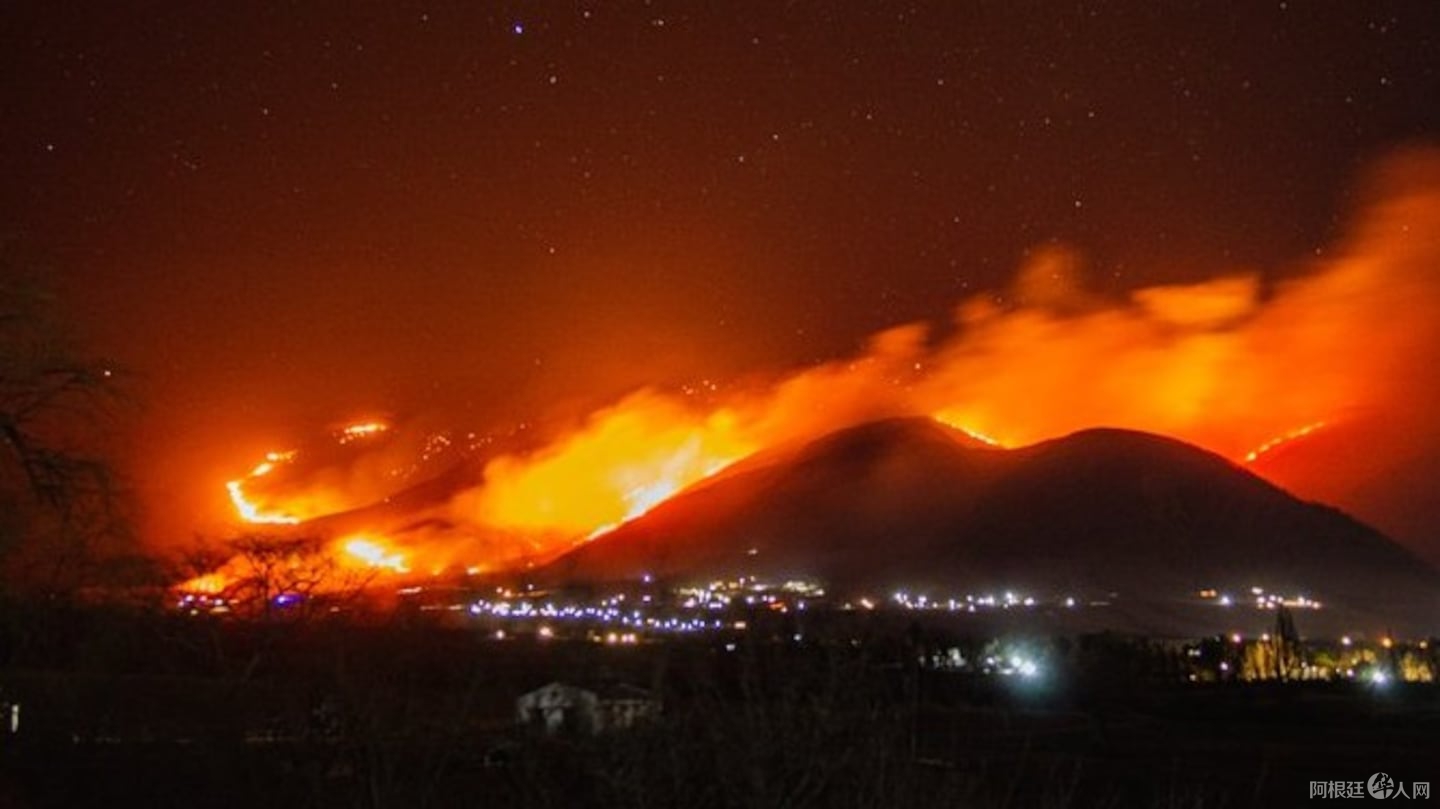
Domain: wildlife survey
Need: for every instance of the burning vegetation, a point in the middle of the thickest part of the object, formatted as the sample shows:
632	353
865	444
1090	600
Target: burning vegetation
1239	365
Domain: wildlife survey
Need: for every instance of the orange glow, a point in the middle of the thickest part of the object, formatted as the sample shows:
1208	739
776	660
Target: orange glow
1230	364
364	429
264	497
619	465
374	553
251	513
207	584
951	419
1280	440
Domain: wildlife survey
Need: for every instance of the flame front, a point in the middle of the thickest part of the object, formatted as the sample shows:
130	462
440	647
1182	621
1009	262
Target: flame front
281	504
364	429
250	512
210	584
374	552
1284	438
623	463
958	421
1230	364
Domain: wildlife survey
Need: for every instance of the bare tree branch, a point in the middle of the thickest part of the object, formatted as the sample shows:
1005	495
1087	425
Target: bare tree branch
55	402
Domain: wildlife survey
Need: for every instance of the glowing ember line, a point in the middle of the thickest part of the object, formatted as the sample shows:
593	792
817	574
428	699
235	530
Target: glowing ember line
955	423
248	511
981	437
1299	432
366	429
601	531
251	513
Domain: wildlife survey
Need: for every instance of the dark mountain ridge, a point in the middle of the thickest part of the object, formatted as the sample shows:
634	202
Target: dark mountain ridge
911	503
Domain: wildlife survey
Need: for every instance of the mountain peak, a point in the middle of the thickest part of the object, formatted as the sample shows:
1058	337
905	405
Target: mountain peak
910	501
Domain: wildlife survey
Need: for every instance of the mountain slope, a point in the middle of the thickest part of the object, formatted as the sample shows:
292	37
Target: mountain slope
908	503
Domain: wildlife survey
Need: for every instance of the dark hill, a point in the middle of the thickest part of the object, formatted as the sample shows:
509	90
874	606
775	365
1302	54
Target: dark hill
910	503
1381	469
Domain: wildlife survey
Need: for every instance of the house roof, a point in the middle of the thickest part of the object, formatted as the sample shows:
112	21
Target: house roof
603	689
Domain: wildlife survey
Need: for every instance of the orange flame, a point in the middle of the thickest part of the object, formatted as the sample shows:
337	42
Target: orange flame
626	460
250	512
209	584
364	429
1224	363
374	552
1280	440
955	421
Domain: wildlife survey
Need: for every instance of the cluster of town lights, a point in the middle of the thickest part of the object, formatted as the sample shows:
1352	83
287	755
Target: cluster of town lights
752	592
607	613
971	603
646	611
1261	599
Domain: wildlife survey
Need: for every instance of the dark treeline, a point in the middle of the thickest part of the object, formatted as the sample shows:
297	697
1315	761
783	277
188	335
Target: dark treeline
141	707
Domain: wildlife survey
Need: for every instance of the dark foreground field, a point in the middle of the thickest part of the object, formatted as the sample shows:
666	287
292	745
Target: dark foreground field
150	712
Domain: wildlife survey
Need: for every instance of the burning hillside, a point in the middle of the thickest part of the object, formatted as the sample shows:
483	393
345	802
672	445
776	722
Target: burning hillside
1238	365
906	505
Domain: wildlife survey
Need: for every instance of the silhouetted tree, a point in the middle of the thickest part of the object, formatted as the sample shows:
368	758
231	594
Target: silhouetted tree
275	577
1289	653
58	500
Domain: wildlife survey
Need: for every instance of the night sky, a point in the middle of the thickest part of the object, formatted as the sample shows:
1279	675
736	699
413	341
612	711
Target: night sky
280	216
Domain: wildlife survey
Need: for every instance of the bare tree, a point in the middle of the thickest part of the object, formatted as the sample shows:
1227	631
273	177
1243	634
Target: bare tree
264	585
278	577
58	499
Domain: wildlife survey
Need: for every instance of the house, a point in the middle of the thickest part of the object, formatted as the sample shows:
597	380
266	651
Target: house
599	708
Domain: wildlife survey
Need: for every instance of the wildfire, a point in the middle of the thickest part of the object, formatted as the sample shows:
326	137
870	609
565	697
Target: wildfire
364	429
286	569
288	505
250	512
206	584
1355	333
1280	440
374	553
956	422
623	463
